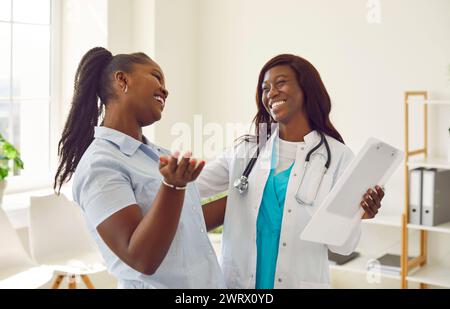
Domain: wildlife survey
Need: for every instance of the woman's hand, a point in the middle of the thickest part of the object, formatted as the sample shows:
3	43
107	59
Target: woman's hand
180	173
372	202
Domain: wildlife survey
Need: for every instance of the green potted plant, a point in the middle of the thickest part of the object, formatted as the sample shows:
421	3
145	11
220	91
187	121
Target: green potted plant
8	153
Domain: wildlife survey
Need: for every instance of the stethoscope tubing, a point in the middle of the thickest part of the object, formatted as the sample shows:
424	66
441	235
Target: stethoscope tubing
251	164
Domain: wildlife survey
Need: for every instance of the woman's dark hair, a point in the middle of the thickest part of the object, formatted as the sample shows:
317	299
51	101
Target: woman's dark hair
317	101
92	91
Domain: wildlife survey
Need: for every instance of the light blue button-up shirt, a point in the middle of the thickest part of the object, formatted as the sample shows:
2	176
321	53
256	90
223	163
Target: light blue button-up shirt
117	171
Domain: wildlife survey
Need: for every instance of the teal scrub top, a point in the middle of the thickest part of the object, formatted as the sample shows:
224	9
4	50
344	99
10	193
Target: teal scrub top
268	226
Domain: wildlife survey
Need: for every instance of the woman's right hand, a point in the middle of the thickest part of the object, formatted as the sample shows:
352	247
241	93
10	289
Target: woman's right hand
179	173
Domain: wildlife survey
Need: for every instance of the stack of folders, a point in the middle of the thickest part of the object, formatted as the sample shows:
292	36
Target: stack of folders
429	196
388	264
338	259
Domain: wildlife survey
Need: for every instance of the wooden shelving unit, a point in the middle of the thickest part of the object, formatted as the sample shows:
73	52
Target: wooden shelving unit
418	270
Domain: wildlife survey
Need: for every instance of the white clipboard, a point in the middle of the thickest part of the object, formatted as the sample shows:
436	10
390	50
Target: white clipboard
340	211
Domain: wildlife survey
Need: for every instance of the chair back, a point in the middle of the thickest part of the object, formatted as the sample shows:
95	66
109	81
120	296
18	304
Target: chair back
57	229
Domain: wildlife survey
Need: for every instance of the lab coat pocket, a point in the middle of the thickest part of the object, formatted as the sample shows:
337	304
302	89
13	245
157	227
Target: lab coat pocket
324	189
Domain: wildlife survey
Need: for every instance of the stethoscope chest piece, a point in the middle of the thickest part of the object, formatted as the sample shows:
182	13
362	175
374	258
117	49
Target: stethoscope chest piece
241	184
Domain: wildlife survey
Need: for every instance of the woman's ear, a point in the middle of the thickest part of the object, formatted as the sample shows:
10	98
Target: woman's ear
121	80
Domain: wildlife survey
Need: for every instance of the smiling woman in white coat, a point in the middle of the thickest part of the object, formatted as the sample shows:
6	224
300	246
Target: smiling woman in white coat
264	217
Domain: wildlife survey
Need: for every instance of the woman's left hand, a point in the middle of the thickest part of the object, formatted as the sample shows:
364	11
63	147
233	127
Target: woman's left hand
372	202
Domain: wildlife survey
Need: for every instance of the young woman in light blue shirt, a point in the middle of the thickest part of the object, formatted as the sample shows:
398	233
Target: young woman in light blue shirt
139	202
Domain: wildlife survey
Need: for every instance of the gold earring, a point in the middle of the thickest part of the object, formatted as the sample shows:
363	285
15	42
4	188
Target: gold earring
126	89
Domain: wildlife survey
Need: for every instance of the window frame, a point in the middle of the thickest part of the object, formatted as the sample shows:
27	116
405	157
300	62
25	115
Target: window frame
20	183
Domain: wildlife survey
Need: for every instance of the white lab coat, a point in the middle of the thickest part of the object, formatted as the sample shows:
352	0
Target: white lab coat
300	264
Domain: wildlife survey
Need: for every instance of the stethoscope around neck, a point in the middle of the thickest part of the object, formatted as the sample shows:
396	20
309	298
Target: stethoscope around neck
306	192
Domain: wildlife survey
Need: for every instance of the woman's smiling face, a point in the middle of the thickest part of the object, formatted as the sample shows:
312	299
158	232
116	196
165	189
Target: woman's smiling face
148	92
282	96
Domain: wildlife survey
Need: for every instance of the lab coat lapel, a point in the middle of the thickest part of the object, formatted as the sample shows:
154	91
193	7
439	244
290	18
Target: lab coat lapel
311	140
258	177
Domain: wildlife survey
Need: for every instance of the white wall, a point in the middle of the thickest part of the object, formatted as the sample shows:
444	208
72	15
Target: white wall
144	26
84	26
133	26
120	26
176	51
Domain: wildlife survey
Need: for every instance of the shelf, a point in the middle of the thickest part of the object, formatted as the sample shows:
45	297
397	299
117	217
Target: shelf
387	219
431	274
359	265
440	163
441	228
429	102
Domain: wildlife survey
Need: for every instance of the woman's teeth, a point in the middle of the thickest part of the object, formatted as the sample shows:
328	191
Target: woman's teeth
160	100
278	103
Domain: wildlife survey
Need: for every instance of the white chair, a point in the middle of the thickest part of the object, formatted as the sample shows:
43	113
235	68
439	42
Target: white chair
59	239
17	270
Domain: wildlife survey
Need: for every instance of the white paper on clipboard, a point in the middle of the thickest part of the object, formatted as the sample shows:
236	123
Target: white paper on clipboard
340	211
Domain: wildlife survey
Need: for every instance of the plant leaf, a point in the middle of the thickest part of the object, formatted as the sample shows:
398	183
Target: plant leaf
18	163
3	173
8	152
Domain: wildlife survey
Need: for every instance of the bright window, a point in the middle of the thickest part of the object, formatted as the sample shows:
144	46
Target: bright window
25	75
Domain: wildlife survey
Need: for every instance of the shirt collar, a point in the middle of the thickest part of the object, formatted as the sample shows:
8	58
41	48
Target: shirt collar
126	143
